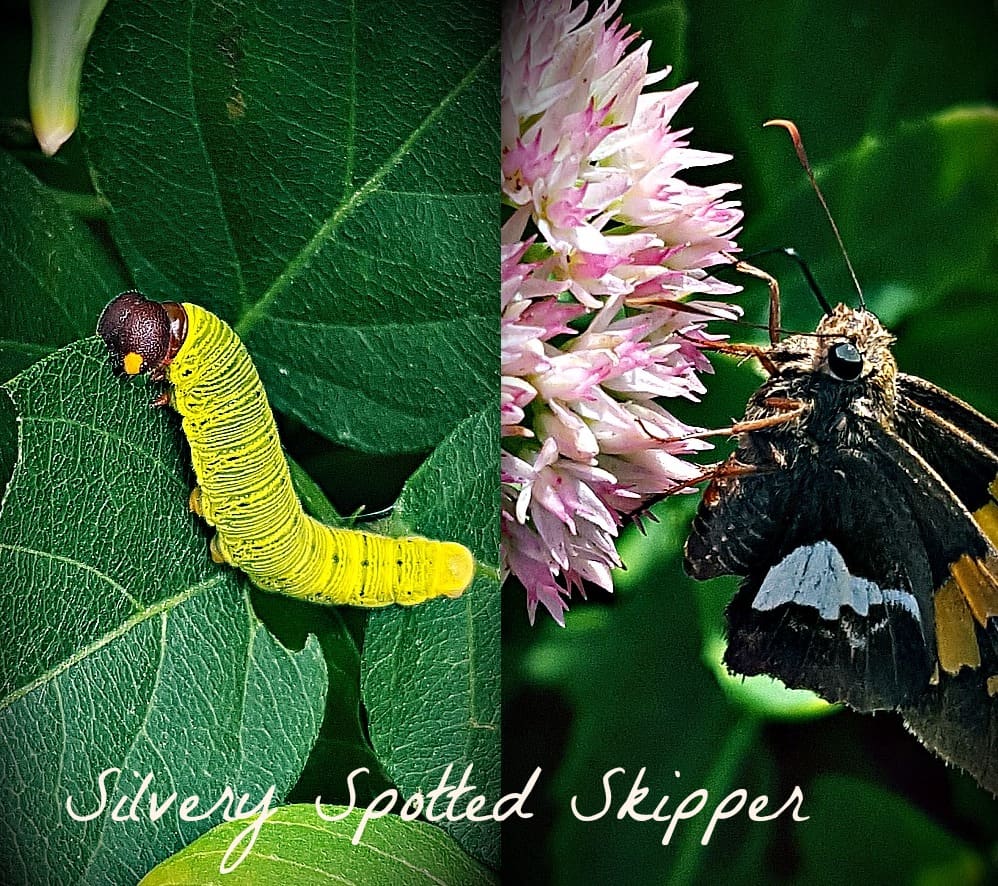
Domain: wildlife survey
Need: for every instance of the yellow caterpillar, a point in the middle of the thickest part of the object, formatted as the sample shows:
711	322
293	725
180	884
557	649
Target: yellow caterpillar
244	486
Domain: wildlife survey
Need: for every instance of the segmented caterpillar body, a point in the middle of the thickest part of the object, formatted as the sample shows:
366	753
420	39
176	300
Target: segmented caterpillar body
244	485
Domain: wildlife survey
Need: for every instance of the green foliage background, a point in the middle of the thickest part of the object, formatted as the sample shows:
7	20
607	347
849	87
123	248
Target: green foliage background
322	177
895	104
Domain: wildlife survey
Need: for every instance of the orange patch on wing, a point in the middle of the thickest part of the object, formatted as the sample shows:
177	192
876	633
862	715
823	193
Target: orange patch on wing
987	519
956	641
980	587
993	685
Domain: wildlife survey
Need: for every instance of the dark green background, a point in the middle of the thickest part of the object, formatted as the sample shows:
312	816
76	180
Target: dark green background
895	104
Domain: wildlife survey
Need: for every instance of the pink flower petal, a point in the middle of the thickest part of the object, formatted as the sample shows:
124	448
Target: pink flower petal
595	338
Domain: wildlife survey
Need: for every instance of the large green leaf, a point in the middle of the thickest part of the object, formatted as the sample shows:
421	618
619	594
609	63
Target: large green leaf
125	647
321	176
639	697
54	275
917	208
431	673
296	845
843	73
342	744
881	840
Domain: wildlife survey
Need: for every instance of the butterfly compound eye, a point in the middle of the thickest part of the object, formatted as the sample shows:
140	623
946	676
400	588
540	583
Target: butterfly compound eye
845	361
136	332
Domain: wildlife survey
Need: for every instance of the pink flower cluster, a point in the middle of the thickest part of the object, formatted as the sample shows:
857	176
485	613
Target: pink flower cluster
602	248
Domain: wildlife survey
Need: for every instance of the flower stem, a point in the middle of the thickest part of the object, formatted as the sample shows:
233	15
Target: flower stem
689	850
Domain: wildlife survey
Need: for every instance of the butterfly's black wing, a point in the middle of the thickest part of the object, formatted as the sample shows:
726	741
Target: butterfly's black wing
959	442
838	584
841	572
958	715
950	412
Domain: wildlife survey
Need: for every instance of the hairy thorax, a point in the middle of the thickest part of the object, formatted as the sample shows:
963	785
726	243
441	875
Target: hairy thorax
835	409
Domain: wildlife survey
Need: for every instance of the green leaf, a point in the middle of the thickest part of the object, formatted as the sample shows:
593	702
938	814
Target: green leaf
957	334
668	19
296	845
54	276
917	209
322	177
126	647
431	673
878	837
627	686
342	744
841	72
312	497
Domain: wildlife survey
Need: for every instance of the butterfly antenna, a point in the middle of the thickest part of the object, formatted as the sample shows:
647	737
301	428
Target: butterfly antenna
792	253
791	127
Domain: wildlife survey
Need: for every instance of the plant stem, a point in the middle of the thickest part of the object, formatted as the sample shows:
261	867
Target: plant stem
689	850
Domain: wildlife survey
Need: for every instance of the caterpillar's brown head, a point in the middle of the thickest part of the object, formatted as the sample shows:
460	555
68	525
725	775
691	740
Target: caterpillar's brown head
141	335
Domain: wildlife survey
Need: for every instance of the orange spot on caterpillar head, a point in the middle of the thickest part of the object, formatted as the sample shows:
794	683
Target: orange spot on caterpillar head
146	333
132	363
455	568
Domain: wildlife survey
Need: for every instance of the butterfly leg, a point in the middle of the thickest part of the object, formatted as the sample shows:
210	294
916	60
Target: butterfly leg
725	470
791	411
774	293
722	471
788	410
739	349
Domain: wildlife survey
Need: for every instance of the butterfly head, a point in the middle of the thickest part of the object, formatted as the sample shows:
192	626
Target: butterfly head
844	368
848	346
141	335
853	345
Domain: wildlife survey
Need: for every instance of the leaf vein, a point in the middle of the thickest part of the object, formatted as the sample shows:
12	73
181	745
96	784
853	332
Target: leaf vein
144	615
85	567
147	454
216	191
301	260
